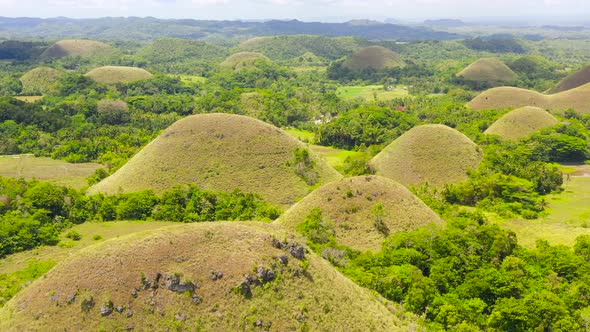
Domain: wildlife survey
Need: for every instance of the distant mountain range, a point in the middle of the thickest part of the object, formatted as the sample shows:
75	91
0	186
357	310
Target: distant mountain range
149	28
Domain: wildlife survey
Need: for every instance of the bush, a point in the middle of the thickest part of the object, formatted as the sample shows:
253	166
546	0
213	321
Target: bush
73	235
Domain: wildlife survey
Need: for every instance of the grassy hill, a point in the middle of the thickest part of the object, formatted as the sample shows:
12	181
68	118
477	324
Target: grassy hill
573	81
283	48
243	60
223	152
77	47
46	169
39	80
376	57
351	208
433	154
488	70
510	97
521	123
118	74
207	276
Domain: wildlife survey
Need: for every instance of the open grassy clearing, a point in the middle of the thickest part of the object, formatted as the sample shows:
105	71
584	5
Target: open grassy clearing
68	247
29	99
510	97
372	92
47	169
191	79
333	156
244	60
569	215
223	152
169	279
305	136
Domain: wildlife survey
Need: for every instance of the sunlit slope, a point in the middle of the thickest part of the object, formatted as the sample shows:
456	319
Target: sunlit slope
376	57
207	276
510	97
433	154
521	122
488	70
362	211
223	152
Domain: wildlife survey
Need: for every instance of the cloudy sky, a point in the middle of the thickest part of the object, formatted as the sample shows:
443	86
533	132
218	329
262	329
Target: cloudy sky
300	9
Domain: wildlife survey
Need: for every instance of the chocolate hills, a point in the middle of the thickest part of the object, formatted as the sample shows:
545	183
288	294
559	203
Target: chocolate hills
223	152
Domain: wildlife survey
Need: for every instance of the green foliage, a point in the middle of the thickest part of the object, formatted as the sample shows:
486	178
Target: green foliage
12	283
472	275
305	166
73	235
33	213
365	126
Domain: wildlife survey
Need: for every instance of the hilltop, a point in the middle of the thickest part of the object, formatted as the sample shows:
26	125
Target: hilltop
510	97
488	70
77	47
244	60
223	152
573	81
39	80
521	122
118	74
433	154
362	211
376	57
207	276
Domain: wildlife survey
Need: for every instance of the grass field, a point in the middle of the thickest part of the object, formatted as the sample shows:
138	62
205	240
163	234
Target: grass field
192	79
106	230
569	216
47	169
334	157
305	136
371	92
29	99
377	57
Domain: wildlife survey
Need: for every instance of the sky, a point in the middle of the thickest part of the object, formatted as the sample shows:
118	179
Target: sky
307	10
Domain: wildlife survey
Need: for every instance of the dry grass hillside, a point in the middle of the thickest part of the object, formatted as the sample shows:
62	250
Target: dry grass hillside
198	277
510	97
433	154
488	70
244	60
573	81
521	122
362	211
39	80
118	74
223	152
376	57
77	47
